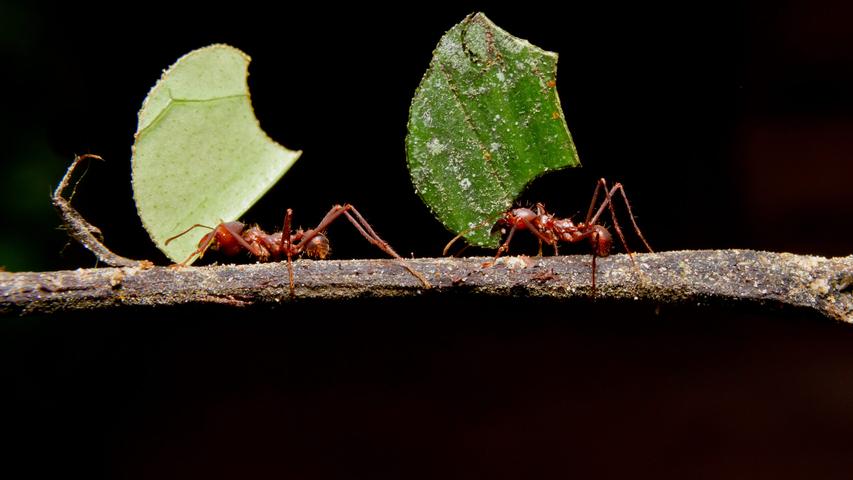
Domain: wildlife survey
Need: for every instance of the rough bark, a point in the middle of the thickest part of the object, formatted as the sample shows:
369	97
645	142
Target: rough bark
774	280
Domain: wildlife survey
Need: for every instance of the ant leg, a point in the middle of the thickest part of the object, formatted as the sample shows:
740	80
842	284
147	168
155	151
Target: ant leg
452	241
287	246
461	251
598	187
330	217
540	210
621	189
374	238
505	246
594	256
608	202
465	232
364	229
200	250
367	231
541	236
361	225
594	235
243	243
284	245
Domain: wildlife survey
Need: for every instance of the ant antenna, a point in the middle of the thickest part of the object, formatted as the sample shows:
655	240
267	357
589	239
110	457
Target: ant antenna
484	223
200	250
197	225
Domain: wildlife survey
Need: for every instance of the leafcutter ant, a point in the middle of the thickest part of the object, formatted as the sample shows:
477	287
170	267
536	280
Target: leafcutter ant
552	230
230	238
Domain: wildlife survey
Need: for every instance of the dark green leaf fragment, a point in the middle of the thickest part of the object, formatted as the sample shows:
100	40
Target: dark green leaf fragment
484	122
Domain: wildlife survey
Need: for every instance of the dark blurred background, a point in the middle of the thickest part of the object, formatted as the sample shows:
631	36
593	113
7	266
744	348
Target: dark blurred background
730	125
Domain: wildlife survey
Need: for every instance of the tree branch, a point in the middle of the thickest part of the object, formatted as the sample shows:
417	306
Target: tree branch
81	230
777	280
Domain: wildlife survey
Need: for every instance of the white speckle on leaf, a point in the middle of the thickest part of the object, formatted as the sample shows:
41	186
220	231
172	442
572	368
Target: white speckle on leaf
435	146
465	184
495	146
427	118
475	91
451	51
500	76
515	45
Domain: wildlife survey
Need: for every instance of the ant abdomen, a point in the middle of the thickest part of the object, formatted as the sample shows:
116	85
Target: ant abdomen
318	247
601	241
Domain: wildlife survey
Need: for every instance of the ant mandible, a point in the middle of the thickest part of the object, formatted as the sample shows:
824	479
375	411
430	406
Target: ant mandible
552	230
230	238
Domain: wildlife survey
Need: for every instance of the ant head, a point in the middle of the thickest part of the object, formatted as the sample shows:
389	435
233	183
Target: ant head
601	241
223	238
516	218
318	247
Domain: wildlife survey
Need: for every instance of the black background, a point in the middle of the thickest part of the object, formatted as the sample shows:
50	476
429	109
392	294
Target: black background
730	125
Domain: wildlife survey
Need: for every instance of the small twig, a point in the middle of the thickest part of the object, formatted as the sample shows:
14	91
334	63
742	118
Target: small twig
81	230
776	280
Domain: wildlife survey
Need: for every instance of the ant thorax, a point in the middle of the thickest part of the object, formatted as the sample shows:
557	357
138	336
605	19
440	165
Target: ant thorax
565	229
265	246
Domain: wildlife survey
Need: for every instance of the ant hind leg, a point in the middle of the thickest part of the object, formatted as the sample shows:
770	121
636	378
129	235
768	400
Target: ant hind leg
608	203
364	229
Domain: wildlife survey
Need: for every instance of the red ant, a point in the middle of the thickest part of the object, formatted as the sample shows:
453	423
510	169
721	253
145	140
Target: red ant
232	237
552	230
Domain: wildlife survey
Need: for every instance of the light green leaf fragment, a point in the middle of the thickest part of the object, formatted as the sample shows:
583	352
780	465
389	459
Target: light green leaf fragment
200	155
485	121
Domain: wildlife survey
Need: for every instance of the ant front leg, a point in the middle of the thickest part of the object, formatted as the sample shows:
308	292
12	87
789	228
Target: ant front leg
504	246
207	241
519	218
540	211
